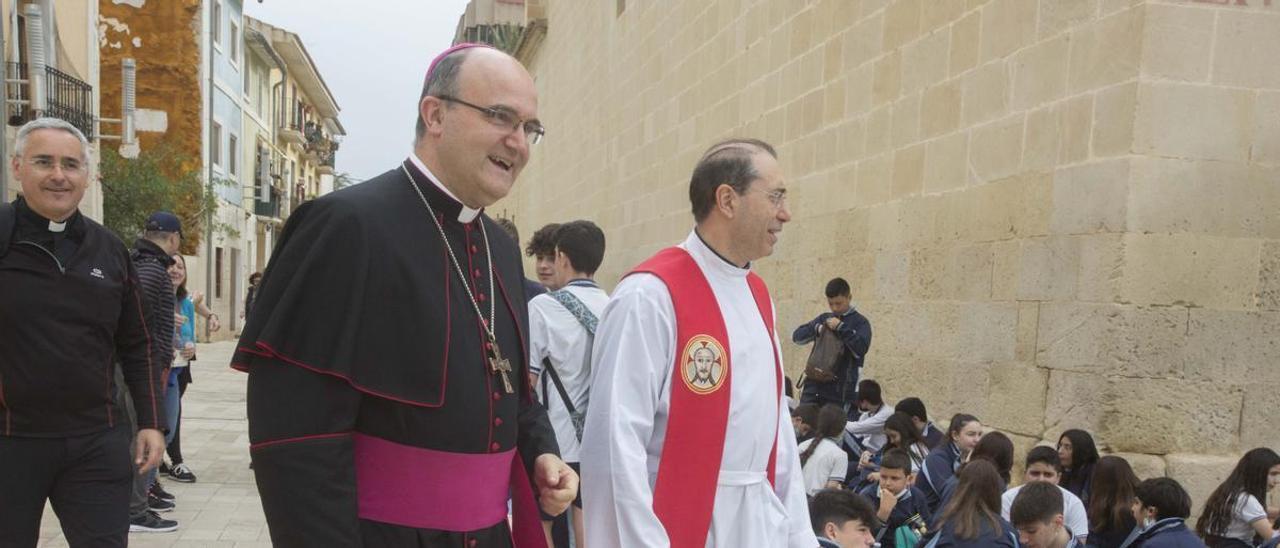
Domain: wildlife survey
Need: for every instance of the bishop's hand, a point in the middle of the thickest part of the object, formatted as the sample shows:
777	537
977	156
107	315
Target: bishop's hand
555	482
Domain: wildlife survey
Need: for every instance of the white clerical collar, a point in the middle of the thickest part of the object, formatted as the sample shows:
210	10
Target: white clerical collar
467	214
55	226
710	260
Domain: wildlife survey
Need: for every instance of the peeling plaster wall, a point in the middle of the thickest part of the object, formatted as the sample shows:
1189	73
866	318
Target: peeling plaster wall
163	38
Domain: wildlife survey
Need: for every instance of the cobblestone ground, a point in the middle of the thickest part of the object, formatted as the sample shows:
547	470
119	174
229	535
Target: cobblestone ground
222	508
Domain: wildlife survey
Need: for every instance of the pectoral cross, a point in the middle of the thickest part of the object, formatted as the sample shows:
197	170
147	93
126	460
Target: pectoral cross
500	365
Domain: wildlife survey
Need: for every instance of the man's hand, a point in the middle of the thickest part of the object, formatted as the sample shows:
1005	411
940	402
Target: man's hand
179	320
833	323
214	324
555	482
149	446
188	352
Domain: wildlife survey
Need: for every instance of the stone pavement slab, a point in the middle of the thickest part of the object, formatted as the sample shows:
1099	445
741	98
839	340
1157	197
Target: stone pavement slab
222	508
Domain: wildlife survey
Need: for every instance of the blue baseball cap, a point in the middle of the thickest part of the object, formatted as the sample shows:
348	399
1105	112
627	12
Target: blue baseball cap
163	221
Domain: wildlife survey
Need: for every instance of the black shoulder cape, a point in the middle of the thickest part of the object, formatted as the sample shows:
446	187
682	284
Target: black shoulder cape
361	287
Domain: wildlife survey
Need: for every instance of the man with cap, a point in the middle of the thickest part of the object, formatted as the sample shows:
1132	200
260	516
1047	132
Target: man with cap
152	256
388	399
70	310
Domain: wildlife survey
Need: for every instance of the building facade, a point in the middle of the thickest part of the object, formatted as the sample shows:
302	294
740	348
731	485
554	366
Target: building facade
60	57
1057	214
223	89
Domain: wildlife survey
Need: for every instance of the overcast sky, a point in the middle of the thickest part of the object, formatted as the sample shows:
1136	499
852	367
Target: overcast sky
373	55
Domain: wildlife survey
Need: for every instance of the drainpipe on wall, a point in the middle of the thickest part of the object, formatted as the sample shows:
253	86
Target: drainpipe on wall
36	55
208	232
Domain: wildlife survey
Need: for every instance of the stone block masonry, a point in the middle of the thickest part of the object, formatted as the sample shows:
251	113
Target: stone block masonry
1056	213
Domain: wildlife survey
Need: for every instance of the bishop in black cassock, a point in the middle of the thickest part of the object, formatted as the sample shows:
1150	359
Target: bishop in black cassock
380	412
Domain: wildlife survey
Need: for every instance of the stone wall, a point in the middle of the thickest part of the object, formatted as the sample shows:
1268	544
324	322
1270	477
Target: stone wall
163	38
1056	213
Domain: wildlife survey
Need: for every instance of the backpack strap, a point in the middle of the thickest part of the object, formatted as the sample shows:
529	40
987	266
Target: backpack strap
8	220
555	379
576	307
588	320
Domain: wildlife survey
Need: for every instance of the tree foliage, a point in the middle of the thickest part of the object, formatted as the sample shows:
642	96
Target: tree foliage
159	179
343	180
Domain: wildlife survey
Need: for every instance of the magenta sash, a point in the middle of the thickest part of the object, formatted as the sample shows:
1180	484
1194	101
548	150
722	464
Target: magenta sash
428	489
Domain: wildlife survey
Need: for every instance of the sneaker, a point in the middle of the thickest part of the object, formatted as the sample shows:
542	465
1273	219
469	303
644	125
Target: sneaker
150	522
158	492
164	467
181	473
159	505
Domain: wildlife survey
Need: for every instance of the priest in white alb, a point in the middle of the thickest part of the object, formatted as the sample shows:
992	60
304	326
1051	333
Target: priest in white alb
688	442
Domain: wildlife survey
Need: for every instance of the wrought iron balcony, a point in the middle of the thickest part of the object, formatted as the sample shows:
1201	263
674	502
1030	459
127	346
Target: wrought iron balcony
66	97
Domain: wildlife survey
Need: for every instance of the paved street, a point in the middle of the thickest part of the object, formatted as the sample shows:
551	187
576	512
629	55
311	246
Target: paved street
221	509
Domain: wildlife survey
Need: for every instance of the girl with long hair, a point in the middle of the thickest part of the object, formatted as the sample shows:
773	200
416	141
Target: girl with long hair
187	306
962	436
901	433
972	518
822	461
1110	505
1078	454
995	448
1236	511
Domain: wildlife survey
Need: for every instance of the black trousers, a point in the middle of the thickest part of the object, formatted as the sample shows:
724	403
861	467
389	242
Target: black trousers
87	478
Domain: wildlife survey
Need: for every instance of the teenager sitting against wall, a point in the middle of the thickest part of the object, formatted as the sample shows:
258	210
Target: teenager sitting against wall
1235	513
1110	506
1078	454
822	461
962	436
972	518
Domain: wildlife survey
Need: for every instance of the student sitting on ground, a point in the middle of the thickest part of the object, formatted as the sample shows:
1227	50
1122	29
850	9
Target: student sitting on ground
914	407
822	461
972	518
995	448
1078	454
1235	513
842	519
962	436
1161	507
900	506
1037	515
867	433
1110	507
1043	465
804	419
901	433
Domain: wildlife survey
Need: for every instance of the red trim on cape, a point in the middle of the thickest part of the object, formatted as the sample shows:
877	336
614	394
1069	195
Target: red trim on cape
313	437
275	355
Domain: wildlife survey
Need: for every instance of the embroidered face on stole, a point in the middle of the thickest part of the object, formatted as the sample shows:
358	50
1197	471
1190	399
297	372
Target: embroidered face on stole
704	365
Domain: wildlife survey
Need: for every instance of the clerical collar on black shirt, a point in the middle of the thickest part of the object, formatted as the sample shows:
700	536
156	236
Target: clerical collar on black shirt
61	239
466	214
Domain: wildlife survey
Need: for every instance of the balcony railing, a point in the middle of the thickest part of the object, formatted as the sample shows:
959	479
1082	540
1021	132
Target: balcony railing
66	97
320	144
269	208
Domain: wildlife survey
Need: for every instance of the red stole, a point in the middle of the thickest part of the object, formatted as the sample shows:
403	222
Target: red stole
685	491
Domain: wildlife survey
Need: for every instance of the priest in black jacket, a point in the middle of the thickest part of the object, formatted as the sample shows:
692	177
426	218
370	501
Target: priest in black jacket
388	398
